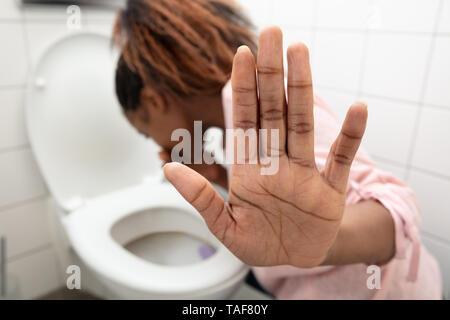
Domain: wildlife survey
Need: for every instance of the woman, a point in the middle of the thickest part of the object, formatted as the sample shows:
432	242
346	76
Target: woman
311	229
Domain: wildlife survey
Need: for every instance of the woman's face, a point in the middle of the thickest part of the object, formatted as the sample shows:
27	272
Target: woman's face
158	120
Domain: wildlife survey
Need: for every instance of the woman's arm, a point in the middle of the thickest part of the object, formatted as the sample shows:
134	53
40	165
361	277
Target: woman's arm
366	235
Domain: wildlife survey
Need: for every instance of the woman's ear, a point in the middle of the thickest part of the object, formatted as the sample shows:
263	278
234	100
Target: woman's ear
152	101
142	114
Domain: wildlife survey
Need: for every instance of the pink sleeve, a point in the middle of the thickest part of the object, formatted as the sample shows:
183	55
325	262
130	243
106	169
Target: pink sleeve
367	181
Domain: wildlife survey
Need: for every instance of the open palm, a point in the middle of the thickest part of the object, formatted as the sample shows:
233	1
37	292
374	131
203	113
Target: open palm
292	216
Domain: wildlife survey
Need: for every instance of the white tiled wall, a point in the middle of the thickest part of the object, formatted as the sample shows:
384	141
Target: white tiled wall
395	55
346	55
25	33
437	92
391	53
395	65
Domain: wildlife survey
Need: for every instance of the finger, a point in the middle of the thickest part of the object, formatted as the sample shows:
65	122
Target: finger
245	100
300	116
272	98
343	151
201	195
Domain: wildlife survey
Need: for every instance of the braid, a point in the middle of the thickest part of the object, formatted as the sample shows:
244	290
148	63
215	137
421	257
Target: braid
183	47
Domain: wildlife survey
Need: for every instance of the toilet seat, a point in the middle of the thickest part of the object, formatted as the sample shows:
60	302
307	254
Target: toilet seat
89	231
100	171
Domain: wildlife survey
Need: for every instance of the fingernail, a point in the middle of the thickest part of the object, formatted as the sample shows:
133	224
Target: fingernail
172	164
242	49
360	103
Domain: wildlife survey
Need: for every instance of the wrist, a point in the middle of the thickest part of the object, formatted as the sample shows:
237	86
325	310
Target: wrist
332	254
337	249
366	235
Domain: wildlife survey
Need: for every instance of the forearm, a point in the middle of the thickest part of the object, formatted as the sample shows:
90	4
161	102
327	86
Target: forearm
366	235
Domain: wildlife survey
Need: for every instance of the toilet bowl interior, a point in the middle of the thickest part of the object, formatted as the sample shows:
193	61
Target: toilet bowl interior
165	236
116	236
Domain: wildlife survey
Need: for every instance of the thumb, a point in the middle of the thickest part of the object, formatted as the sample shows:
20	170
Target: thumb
201	195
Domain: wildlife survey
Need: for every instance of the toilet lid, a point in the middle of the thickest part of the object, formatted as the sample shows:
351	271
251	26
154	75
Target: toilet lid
81	140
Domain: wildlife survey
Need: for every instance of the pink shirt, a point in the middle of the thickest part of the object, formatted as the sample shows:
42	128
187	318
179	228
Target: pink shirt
411	274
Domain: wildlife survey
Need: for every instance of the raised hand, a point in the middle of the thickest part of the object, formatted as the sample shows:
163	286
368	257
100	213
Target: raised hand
293	216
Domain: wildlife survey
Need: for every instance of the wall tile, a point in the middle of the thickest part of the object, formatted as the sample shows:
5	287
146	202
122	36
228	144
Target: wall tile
61	12
42	35
293	35
99	15
13	61
405	15
102	27
444	19
390	129
437	92
293	13
25	227
432	151
441	251
20	177
348	14
12	118
10	10
337	59
38	273
259	11
45	13
58	16
395	65
396	170
433	195
338	101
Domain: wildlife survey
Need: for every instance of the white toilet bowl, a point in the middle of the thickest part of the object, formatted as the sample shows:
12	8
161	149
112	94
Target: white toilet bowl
131	228
112	221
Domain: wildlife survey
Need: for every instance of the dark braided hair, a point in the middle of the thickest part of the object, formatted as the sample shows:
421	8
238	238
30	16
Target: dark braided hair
180	47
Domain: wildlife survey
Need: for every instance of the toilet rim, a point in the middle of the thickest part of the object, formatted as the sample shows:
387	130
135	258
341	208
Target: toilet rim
93	222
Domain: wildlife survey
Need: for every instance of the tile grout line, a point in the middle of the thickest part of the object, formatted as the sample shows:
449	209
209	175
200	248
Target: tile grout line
436	238
431	173
403	166
313	31
22	203
11	20
365	46
373	31
30	252
415	134
6	87
27	44
22	147
376	96
387	161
